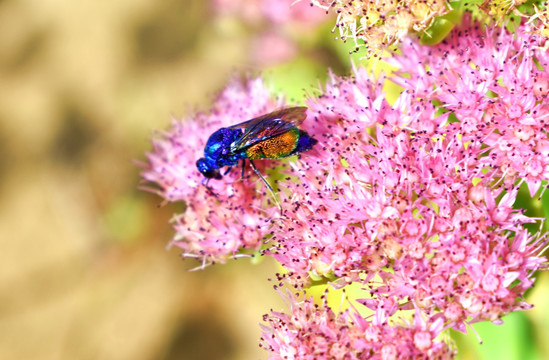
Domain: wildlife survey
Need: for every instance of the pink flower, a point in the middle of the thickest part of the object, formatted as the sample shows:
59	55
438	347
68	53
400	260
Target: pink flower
496	84
275	12
213	227
312	331
272	48
273	25
413	200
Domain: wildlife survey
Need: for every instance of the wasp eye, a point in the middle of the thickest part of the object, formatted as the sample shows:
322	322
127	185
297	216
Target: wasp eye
211	174
206	170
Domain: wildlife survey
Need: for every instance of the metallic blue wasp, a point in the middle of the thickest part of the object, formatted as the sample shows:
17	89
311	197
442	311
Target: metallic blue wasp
272	136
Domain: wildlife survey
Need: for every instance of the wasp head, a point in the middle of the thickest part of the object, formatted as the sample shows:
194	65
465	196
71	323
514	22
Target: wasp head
206	170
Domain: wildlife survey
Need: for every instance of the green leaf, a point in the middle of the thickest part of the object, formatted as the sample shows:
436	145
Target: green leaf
514	339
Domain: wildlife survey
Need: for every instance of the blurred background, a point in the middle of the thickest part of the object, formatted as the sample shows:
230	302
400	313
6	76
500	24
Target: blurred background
84	272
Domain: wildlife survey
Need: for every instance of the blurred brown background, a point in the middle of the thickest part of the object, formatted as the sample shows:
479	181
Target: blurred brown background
84	273
84	269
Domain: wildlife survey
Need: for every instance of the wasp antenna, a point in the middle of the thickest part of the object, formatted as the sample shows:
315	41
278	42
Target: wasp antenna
266	183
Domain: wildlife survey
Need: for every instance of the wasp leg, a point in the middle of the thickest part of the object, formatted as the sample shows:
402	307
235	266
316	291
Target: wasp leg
228	170
210	190
243	164
266	183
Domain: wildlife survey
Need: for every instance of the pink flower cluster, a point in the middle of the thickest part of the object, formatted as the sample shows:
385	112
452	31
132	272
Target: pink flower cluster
276	12
221	222
313	331
413	200
275	24
497	85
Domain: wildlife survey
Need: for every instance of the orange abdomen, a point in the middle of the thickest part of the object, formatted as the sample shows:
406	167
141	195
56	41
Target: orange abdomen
274	148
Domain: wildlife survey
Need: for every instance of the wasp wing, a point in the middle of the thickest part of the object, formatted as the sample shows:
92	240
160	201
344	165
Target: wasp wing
268	126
